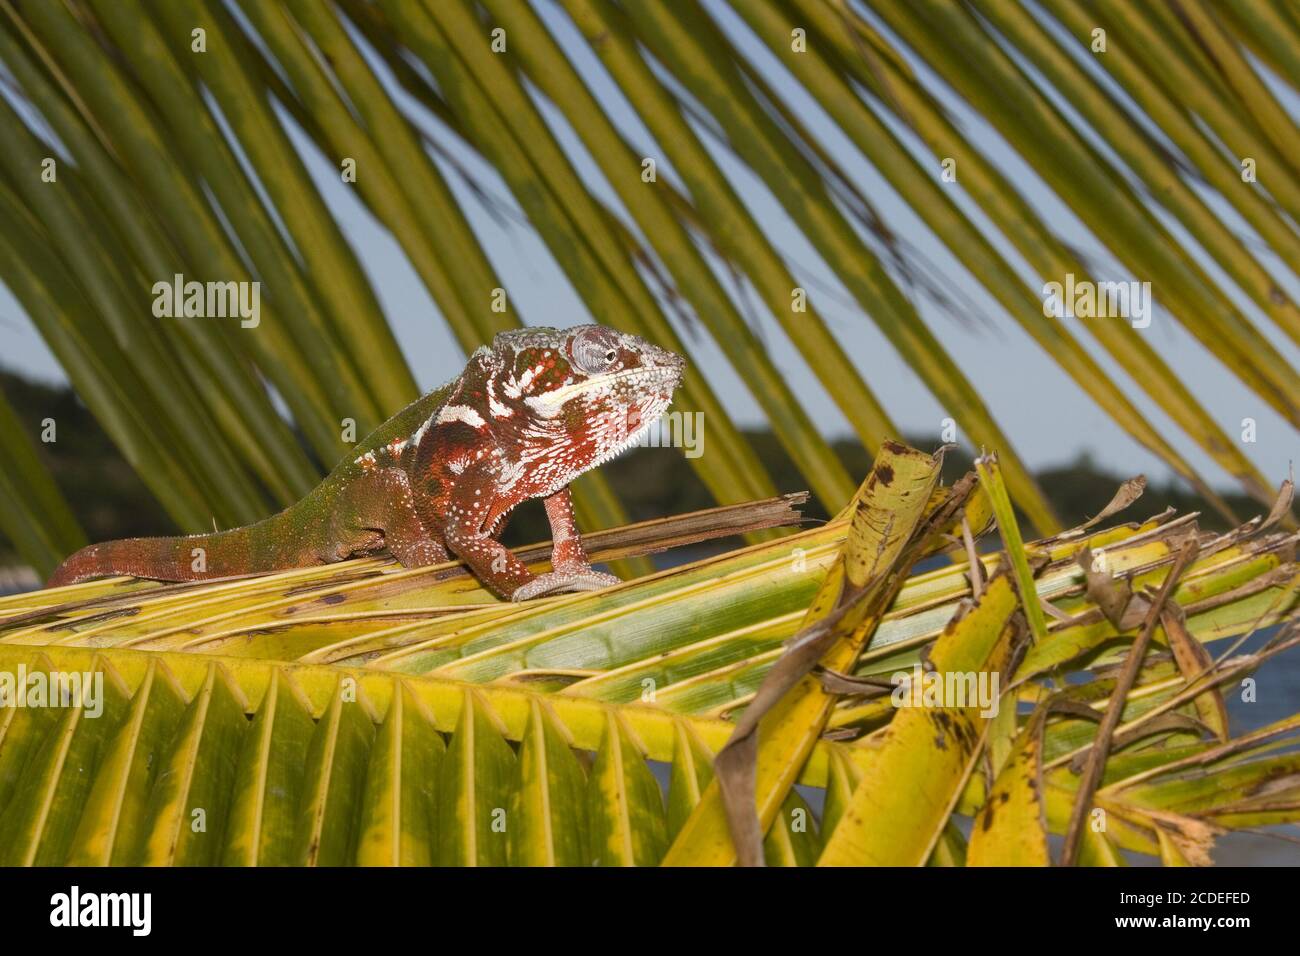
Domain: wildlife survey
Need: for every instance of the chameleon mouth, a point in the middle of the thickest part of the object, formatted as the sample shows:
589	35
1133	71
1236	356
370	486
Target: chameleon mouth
640	422
658	380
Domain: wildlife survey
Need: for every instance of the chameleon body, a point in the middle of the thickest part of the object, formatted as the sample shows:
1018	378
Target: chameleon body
523	420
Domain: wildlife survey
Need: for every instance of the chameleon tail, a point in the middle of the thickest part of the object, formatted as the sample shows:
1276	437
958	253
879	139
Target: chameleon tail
194	557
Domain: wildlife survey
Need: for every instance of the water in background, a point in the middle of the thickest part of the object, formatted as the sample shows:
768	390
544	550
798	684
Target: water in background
18	581
1277	696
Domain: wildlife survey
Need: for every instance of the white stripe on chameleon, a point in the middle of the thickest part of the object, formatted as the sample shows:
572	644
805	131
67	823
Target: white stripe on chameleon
461	413
419	432
495	407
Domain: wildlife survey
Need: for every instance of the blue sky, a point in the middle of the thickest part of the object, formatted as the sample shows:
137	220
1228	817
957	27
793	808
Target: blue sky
1048	418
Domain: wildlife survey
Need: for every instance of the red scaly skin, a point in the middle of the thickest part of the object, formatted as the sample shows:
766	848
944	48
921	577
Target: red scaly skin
524	419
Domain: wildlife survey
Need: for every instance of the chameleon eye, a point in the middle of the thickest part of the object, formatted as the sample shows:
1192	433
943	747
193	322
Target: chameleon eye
592	352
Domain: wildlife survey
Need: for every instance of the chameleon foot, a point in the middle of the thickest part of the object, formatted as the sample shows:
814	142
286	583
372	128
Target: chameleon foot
554	581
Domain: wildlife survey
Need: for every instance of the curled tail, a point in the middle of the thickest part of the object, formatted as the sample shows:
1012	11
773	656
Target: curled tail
196	557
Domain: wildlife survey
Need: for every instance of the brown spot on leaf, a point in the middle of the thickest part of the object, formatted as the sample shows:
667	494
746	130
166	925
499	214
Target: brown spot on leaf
942	723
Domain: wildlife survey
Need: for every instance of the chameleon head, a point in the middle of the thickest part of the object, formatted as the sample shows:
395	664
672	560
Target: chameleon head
587	393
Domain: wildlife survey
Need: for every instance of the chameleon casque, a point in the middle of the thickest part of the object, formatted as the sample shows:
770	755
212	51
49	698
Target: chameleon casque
524	419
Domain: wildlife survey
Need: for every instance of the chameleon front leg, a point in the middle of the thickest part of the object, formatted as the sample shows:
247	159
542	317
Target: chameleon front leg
465	532
568	557
572	569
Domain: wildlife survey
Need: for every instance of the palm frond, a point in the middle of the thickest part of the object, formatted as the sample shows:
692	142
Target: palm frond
361	713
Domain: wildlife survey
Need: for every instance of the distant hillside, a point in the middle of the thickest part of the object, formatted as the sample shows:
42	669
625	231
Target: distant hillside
111	502
104	492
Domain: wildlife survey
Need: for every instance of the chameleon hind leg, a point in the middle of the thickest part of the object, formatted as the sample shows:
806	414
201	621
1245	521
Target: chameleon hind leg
381	511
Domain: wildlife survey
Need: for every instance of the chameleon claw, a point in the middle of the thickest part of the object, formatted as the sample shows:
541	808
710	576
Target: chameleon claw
555	581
